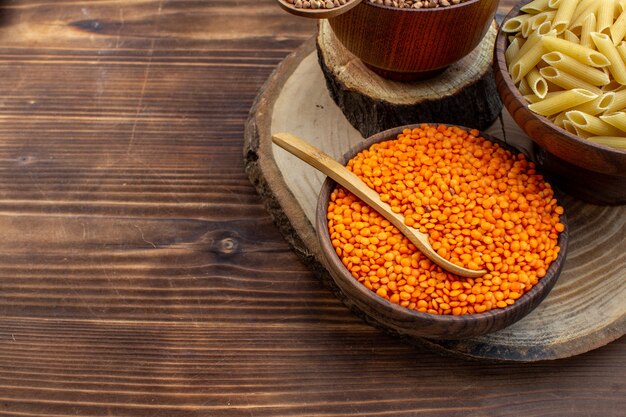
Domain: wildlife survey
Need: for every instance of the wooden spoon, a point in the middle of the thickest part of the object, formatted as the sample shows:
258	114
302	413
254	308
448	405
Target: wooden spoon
324	163
321	13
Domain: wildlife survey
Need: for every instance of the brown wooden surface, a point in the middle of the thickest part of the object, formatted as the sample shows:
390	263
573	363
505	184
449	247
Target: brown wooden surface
140	274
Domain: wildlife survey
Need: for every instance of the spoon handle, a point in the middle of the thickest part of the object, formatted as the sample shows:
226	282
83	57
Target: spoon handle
327	165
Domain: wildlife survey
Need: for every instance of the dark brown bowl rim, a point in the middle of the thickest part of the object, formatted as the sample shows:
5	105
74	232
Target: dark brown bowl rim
423	9
545	283
501	42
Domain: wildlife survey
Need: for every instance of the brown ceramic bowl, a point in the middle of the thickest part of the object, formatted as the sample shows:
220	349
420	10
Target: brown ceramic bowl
411	44
591	172
397	319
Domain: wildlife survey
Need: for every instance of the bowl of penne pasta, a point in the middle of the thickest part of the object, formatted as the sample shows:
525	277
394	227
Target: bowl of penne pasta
560	68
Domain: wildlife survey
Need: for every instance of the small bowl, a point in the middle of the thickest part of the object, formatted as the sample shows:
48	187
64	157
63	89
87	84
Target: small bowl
592	172
412	44
398	319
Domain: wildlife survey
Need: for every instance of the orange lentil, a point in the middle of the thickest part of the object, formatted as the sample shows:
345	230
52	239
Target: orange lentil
481	206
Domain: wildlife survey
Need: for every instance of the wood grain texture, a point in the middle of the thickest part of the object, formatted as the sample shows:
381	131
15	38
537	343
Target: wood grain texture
556	329
140	274
595	173
410	44
372	103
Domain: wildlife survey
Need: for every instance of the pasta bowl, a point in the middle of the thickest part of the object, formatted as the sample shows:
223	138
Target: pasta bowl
590	171
411	44
397	319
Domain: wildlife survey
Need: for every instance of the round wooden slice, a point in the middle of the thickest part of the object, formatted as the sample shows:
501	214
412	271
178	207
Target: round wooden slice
373	104
584	311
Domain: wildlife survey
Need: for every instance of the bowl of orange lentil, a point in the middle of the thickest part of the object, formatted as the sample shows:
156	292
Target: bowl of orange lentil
592	172
483	205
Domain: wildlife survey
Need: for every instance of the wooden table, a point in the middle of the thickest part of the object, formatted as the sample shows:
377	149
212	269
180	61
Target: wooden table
140	274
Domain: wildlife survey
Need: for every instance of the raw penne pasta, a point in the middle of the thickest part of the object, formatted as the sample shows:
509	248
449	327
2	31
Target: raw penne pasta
621	48
527	28
619	102
567	125
570	36
597	106
585	55
553	93
592	124
617	120
515	24
615	142
559	119
577	19
618	29
544	28
513	49
537	83
582	133
579	80
526	62
605	17
579	70
524	88
531	98
530	43
588	26
564	14
539	24
562	101
566	80
540	18
553	88
606	47
612	86
580	9
535	7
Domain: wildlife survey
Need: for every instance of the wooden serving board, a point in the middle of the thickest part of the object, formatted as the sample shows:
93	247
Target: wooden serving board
584	311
